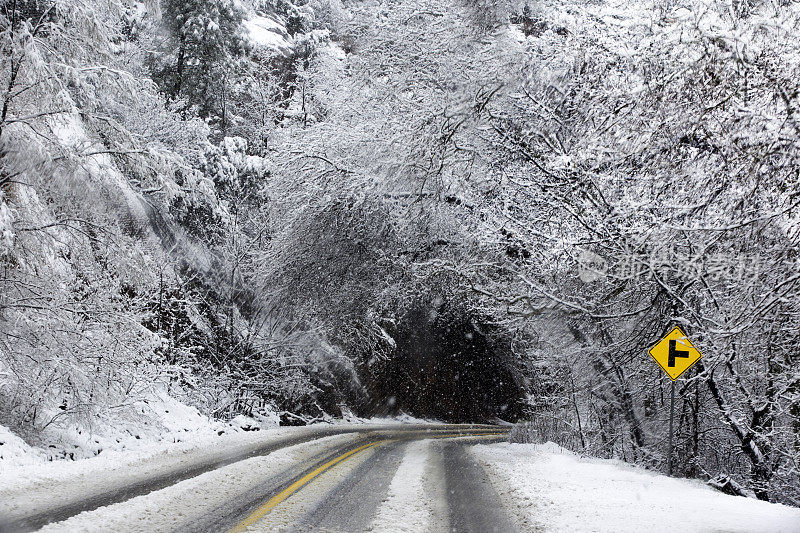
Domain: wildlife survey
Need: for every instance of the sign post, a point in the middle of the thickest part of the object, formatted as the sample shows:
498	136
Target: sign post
674	362
671	418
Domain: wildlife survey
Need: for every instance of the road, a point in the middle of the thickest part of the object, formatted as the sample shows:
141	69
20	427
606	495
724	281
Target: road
374	478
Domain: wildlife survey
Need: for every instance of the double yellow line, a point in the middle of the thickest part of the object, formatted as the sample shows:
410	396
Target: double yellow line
259	513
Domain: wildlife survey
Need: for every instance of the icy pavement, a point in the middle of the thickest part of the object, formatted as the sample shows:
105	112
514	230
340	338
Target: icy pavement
547	488
186	504
32	495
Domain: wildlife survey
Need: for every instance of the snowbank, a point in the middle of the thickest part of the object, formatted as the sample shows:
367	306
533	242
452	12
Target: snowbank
163	423
14	450
549	488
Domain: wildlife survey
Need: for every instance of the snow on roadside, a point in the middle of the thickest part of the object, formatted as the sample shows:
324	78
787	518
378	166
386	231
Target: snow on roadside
549	488
174	428
14	450
37	488
406	507
400	419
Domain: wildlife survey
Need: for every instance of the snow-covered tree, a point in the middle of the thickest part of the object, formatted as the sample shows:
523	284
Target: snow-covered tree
198	57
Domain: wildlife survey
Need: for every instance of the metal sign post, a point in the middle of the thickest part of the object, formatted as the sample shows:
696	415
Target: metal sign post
674	362
671	418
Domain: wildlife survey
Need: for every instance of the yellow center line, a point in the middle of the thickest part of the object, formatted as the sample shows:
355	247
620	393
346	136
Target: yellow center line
259	513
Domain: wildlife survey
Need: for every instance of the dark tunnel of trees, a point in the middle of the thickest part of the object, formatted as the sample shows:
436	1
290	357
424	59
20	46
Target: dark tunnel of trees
447	365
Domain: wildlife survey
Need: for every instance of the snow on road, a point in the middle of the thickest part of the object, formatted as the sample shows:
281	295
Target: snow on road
191	501
27	489
548	488
542	488
407	507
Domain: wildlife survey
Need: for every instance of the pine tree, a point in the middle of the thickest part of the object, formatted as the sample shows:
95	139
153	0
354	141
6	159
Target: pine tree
204	41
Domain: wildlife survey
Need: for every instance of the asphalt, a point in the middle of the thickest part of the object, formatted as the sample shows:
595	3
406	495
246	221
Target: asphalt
349	505
472	503
349	502
352	504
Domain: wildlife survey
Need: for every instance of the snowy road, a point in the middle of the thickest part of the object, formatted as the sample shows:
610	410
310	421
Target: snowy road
218	491
377	484
403	478
473	502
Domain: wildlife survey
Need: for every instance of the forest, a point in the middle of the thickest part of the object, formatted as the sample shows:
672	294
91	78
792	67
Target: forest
464	210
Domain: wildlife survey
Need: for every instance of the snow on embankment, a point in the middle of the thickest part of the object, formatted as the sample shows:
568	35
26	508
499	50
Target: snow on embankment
267	32
162	423
14	450
546	487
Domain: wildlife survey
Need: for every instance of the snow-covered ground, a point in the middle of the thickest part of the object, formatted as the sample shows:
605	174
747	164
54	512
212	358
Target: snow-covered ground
168	426
548	488
265	31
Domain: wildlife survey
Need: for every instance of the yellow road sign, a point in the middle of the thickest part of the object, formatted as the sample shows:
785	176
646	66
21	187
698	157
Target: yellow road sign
675	353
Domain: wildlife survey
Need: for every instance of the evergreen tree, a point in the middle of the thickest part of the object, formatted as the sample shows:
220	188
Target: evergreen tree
204	40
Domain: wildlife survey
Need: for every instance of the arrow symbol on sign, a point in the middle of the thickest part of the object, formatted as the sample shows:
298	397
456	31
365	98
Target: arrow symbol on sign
673	353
